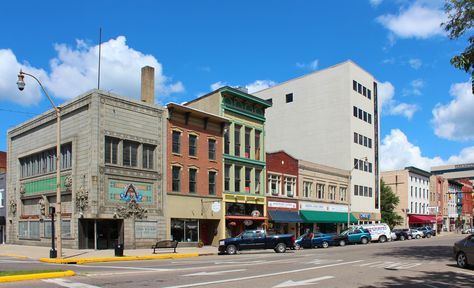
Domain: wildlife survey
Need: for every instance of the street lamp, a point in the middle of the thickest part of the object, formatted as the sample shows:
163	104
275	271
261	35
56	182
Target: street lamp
350	194
21	86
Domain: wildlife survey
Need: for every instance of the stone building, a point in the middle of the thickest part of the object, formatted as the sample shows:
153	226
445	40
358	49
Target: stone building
112	172
3	209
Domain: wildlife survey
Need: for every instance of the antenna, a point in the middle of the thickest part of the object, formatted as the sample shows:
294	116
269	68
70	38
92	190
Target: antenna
100	48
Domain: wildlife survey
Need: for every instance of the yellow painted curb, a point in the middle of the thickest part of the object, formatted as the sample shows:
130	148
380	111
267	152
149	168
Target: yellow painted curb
112	259
14	255
37	276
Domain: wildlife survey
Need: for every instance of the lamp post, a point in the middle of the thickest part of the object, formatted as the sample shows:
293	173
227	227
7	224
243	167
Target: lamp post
350	194
21	86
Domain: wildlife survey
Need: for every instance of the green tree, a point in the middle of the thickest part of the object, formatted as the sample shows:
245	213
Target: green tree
388	202
460	20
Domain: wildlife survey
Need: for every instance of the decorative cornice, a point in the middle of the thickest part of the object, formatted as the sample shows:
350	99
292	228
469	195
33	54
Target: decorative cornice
125	136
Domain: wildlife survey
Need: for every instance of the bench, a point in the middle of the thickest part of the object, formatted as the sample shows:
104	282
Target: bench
165	244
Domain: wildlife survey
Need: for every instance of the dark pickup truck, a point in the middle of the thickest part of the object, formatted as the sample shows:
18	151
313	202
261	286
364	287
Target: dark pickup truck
256	239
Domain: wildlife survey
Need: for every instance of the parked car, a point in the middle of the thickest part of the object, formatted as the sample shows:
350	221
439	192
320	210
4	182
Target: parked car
402	234
353	235
379	232
464	251
468	231
256	239
393	235
416	233
314	240
427	232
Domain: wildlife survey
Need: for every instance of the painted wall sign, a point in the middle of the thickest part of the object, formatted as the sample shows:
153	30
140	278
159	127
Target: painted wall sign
364	216
275	204
120	191
314	206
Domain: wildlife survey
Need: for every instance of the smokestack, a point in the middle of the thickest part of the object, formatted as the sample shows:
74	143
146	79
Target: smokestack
148	85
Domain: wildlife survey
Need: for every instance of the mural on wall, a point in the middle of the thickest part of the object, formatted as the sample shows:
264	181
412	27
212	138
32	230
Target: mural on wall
120	191
132	197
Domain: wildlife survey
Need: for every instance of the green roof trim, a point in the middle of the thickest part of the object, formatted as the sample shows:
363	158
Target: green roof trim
325	217
244	160
246	96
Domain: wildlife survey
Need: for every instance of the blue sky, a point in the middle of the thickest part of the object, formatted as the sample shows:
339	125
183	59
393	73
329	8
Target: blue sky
195	46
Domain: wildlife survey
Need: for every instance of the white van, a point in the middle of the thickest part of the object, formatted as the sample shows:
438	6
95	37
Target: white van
379	232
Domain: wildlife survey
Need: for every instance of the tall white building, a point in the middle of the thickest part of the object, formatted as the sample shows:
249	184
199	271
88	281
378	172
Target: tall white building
331	117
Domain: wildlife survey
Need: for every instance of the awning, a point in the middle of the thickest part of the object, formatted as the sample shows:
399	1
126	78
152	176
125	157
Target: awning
285	216
420	219
326	217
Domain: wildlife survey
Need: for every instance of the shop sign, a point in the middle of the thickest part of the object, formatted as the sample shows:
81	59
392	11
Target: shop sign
248	222
255	213
312	206
145	230
286	205
364	216
216	206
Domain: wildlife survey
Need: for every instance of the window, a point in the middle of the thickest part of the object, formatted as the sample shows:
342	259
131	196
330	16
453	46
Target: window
176	142
416	192
370	143
258	173
332	192
257	145
237	140
289	98
365	116
176	173
45	161
212	149
248	172
361	139
307	189
360	113
356	164
226	139
364	91
366	191
148	151
274	183
130	151
320	191
370	191
356	137
237	170
28	229
370	119
247	142
184	230
192	180
193	145
354	111
290	186
354	85
356	190
370	167
365	141
227	177
411	192
369	94
212	183
359	88
342	194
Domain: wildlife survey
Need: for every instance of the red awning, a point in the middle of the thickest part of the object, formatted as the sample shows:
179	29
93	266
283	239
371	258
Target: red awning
421	219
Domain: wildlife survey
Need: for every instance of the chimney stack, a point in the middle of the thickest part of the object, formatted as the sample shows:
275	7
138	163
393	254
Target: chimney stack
148	85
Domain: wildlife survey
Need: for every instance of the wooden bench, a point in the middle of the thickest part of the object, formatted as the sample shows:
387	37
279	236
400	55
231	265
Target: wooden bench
165	244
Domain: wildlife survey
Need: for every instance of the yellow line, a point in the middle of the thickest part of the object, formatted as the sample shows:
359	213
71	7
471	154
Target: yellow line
14	255
112	259
36	276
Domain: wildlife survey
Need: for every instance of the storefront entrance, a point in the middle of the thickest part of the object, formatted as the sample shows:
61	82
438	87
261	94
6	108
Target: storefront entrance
100	234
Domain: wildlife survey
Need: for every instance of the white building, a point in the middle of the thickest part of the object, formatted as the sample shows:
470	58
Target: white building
330	117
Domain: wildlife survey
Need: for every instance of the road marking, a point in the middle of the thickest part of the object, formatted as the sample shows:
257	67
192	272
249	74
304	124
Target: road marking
323	261
213	273
263	275
390	265
124	267
69	284
291	283
16	261
432	286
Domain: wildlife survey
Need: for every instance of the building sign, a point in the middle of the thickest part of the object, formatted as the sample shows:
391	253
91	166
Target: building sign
145	230
364	216
216	206
120	191
313	206
286	205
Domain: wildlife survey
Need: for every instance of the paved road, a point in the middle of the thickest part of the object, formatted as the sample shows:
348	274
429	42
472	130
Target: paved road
411	263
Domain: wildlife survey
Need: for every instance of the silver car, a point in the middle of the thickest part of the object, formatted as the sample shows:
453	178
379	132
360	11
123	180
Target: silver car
464	251
468	231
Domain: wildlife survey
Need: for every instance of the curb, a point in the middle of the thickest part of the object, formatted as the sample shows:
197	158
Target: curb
14	255
36	276
124	258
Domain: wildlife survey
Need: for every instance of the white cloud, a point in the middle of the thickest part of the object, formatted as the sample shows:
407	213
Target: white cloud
313	65
392	107
74	71
455	120
258	85
217	85
397	152
415	88
415	63
9	69
420	20
375	3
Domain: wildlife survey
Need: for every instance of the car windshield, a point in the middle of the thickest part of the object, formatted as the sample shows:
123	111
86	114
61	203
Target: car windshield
346	231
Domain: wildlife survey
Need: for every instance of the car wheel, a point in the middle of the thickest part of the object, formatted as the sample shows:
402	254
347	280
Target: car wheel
280	248
402	238
409	237
231	249
382	239
428	235
461	260
297	246
325	244
342	243
364	240
418	236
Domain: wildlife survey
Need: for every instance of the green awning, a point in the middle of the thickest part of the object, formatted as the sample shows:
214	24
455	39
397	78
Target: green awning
325	217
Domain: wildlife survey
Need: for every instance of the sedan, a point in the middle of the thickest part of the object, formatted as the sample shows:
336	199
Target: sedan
416	234
464	251
314	240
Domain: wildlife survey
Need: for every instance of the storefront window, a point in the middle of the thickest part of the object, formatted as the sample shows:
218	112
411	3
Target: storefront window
184	230
191	230
177	230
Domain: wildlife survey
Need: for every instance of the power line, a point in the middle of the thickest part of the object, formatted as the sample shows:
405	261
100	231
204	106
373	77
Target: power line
16	111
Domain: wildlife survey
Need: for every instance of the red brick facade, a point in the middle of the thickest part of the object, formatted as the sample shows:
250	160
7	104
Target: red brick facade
3	162
282	163
467	197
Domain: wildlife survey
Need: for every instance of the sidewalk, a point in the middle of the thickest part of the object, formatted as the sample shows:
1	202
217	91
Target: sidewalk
35	252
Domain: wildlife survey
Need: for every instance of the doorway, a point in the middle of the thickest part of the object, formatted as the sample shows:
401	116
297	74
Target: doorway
99	233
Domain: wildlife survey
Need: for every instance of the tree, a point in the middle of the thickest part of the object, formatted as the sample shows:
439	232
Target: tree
461	20
388	202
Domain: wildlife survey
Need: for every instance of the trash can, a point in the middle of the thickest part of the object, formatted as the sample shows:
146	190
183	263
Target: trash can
119	250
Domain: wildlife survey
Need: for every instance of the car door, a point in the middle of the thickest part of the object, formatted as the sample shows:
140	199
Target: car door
259	240
247	241
469	249
355	236
317	239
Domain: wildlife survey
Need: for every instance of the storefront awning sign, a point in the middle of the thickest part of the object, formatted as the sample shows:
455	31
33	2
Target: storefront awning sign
287	205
